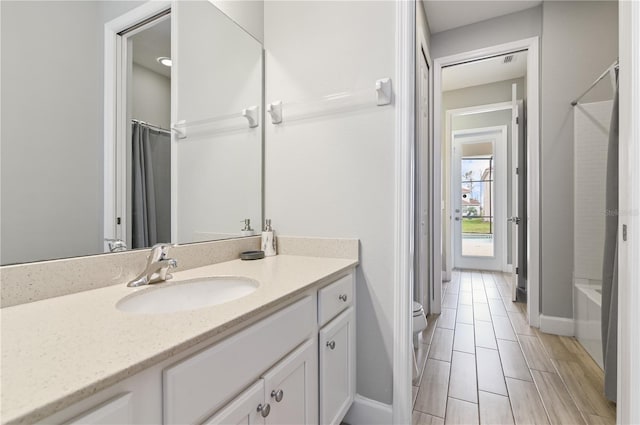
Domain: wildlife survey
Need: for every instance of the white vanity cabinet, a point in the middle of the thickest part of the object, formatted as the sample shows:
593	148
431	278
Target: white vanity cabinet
196	388
286	394
337	349
295	365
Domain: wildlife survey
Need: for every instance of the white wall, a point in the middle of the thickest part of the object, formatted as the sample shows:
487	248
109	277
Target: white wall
218	176
150	97
579	42
333	176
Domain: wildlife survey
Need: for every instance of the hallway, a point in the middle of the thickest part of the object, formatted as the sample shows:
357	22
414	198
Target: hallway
482	363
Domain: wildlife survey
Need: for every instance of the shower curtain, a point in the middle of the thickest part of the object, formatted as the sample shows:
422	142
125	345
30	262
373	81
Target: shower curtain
148	211
610	264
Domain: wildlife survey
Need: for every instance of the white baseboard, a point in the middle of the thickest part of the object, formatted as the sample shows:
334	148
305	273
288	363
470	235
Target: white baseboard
557	325
365	411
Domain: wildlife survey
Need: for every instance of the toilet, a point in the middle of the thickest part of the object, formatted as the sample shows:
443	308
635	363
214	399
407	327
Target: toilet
419	324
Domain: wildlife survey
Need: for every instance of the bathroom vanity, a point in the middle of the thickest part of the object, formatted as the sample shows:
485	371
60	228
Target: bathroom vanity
284	353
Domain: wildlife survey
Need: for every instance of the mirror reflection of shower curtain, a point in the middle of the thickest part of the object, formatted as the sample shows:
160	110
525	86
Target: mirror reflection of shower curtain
151	186
610	264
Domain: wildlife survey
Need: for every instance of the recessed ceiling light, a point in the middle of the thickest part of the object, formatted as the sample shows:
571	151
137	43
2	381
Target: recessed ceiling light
164	61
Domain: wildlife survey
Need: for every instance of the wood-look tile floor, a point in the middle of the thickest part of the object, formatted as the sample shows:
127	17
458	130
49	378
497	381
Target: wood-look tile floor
482	364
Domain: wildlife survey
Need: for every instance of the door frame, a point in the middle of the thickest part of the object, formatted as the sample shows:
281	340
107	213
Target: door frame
404	203
628	409
424	270
111	229
499	151
532	152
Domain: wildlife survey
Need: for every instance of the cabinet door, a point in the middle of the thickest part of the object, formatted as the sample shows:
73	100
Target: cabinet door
243	410
291	388
337	367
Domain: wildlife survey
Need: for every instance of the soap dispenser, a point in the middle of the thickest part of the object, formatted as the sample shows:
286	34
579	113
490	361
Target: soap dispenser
247	231
268	240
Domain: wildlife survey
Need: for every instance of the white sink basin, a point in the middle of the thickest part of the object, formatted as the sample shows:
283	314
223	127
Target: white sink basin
187	295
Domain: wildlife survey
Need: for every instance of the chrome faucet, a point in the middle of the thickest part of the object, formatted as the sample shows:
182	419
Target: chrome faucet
116	245
158	266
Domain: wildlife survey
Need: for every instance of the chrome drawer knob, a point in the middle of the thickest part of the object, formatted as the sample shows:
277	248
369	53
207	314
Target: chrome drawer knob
278	395
331	344
343	297
264	409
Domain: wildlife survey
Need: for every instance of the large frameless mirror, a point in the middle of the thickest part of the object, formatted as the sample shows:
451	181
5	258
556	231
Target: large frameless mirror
155	137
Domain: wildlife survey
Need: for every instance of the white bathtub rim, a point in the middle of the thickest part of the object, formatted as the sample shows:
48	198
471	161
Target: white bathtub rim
590	290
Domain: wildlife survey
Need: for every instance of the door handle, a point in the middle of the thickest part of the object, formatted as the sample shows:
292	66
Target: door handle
515	220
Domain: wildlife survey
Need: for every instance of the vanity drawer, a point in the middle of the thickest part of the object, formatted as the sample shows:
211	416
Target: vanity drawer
196	387
334	298
118	410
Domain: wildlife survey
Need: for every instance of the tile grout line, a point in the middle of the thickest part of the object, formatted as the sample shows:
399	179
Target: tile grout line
544	406
475	349
564	384
504	378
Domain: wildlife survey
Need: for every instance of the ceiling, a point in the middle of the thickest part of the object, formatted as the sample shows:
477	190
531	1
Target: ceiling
444	15
484	71
152	43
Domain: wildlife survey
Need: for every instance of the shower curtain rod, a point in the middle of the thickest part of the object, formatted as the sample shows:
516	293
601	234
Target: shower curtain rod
154	127
604	74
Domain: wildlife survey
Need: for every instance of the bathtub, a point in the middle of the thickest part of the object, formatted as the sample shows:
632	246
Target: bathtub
587	302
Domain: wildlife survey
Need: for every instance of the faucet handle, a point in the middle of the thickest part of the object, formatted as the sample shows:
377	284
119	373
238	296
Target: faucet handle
164	271
159	251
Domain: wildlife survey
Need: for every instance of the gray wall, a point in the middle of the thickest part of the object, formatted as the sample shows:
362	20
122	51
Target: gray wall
503	29
51	116
150	97
333	176
579	43
52	152
482	95
422	25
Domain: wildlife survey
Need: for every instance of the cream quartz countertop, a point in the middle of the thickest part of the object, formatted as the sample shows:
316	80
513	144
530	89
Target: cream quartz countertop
57	351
